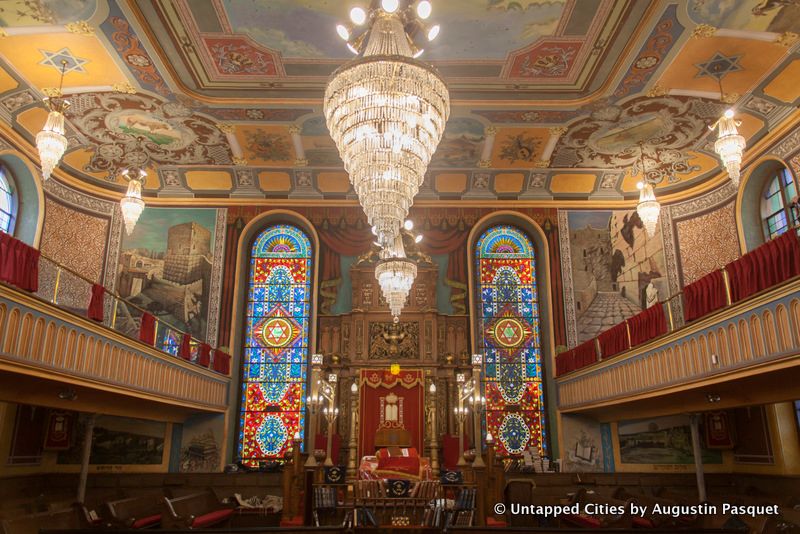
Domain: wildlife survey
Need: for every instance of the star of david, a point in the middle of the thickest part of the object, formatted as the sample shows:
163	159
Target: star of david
718	66
277	332
54	59
509	331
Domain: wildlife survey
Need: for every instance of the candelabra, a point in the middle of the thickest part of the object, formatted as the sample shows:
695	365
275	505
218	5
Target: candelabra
352	453
434	443
331	414
461	416
314	404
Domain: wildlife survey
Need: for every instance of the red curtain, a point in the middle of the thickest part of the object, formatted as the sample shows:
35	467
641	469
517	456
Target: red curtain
581	356
704	296
768	265
648	324
450	452
222	362
19	263
96	308
204	354
565	362
147	332
375	386
614	340
185	350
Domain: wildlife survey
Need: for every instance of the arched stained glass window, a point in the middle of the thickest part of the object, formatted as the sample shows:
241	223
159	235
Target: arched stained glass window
7	203
509	338
275	353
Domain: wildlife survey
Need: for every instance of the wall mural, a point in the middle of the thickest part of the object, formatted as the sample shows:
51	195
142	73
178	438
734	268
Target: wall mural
119	441
168	267
201	443
751	15
461	144
613	261
45	12
583	445
664	440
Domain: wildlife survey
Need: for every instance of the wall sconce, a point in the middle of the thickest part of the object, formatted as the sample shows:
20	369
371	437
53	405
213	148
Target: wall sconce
316	359
477	359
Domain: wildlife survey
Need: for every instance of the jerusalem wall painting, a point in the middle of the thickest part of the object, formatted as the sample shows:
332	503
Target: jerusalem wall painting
613	261
118	441
750	15
663	440
168	266
201	443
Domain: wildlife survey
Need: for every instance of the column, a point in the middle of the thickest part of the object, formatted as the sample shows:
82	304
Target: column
694	421
87	451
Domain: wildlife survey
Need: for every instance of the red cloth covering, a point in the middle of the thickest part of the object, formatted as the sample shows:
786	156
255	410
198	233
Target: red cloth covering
614	340
212	518
375	386
185	349
321	442
147	332
704	296
581	356
146	522
19	263
204	354
648	324
768	265
222	362
450	453
96	308
565	362
397	461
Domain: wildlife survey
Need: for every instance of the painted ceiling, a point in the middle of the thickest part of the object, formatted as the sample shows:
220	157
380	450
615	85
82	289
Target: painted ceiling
552	99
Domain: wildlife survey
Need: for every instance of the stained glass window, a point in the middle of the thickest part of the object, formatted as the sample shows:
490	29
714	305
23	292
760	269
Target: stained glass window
777	209
510	340
275	352
6	203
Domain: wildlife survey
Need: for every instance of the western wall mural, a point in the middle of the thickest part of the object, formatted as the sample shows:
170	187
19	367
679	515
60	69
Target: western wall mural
119	441
663	440
167	267
613	261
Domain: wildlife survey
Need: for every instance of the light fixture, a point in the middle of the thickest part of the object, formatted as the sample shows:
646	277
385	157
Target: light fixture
394	369
396	276
424	9
408	224
648	207
358	16
51	141
418	53
132	204
729	145
316	359
432	388
386	112
489	438
418	238
354	388
433	32
343	32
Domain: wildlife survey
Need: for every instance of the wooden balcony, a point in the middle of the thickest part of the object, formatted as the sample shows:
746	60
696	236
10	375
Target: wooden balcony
52	357
747	353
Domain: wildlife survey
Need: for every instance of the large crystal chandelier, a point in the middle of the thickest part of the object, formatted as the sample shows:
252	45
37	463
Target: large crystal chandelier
51	141
395	274
730	145
648	207
132	204
386	111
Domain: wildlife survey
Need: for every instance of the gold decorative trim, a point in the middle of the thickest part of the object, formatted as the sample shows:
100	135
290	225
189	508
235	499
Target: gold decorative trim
557	131
485	163
703	30
491	130
225	127
730	98
80	27
787	39
52	92
3	33
294	129
240	162
124	88
657	90
541	164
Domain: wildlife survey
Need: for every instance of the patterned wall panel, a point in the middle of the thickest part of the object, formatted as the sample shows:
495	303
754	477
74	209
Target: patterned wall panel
707	242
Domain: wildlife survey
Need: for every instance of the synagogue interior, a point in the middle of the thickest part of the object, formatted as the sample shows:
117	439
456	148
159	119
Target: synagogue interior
400	266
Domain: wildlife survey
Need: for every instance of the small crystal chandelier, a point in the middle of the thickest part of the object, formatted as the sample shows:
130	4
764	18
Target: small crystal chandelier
386	110
395	274
648	207
729	145
51	141
132	204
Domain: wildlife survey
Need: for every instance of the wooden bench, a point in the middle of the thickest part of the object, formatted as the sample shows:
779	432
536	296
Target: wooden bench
32	523
198	510
657	520
598	520
136	512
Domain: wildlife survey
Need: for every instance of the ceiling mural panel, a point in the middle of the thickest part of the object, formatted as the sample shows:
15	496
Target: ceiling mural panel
551	98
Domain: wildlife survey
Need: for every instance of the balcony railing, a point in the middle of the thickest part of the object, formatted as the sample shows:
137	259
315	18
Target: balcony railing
754	273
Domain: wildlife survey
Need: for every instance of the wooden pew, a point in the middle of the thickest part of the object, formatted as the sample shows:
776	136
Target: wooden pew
32	523
583	497
656	520
198	510
136	512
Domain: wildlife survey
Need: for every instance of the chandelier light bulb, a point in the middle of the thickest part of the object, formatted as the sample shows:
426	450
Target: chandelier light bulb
728	113
358	16
418	239
343	32
396	276
408	224
432	389
390	6
418	53
730	145
352	48
433	32
424	9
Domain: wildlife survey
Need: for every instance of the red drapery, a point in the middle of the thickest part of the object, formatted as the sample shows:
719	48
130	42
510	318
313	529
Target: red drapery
450	452
96	308
648	324
768	265
565	362
204	354
375	386
222	362
704	296
147	332
185	350
581	356
614	340
19	263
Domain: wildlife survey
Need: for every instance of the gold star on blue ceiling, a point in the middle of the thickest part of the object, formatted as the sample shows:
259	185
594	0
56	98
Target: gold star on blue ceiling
718	66
54	59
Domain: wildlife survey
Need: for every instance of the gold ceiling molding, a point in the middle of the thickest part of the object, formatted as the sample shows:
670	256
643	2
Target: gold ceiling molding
703	31
52	92
239	162
730	98
657	91
126	88
80	27
226	127
558	131
787	39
